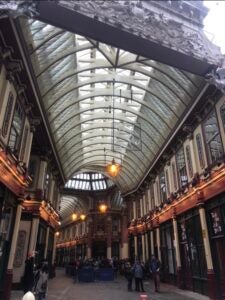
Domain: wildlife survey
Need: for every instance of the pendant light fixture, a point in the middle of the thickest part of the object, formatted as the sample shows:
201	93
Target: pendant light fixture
113	169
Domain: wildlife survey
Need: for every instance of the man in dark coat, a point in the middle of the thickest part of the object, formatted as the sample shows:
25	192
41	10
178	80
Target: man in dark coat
129	275
28	277
154	269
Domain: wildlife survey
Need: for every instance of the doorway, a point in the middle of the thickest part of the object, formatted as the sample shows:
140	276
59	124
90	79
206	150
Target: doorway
99	250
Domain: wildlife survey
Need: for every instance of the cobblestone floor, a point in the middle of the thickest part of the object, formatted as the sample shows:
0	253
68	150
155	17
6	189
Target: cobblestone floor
63	288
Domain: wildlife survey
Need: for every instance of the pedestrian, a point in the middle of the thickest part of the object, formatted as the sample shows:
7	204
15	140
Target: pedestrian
154	269
138	275
42	283
128	273
28	277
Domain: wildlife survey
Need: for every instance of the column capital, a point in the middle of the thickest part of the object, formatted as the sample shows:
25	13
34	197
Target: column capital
20	200
199	197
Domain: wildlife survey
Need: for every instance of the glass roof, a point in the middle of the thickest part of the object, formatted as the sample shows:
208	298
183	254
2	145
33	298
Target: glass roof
79	201
89	181
102	102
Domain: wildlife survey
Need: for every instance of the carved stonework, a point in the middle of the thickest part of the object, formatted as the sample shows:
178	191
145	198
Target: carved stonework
159	25
18	8
217	77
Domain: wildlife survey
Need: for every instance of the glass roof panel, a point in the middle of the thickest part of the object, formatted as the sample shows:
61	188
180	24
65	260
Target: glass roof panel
100	97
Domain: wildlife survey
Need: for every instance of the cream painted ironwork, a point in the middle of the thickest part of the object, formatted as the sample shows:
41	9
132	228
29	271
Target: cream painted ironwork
75	76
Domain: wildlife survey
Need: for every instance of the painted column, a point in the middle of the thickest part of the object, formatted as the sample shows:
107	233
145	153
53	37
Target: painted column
208	255
180	282
9	272
145	199
146	247
41	179
124	237
158	243
135	247
193	156
152	242
46	243
33	233
134	210
141	206
143	247
149	200
109	237
89	241
52	275
28	147
109	252
51	189
54	249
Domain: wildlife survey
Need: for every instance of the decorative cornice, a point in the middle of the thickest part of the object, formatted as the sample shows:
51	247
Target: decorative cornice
217	78
17	8
144	19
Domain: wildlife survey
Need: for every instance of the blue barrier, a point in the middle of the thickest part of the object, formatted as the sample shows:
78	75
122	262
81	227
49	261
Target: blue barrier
106	274
86	275
90	275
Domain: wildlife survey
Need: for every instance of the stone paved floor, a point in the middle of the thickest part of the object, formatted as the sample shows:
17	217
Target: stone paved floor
63	288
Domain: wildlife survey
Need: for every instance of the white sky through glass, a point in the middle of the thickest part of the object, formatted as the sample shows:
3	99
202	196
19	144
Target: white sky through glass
215	23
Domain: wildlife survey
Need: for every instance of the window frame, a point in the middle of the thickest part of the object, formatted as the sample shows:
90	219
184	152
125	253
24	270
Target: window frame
207	147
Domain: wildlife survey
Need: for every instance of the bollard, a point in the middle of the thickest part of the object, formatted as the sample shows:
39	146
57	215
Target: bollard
143	297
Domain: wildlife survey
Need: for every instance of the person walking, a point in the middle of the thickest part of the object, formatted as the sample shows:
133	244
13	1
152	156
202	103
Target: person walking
128	273
28	277
42	282
138	275
154	269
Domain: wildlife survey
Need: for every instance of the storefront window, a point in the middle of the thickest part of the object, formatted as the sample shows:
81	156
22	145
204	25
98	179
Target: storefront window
191	239
16	129
174	176
222	115
167	252
167	182
152	196
8	113
24	142
181	168
200	150
213	138
115	225
162	186
189	161
46	185
216	221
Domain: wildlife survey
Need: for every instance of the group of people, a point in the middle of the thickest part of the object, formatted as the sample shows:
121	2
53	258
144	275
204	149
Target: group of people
35	279
137	272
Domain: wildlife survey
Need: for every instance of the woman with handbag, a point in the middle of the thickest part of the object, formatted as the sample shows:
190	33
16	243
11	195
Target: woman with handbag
42	283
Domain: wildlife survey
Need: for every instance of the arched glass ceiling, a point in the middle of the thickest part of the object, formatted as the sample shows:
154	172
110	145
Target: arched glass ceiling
69	204
89	182
81	80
